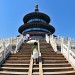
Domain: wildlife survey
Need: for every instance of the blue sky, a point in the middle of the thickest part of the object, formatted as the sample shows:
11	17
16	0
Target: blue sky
61	12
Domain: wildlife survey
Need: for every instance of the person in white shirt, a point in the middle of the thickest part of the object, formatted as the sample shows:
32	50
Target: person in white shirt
35	53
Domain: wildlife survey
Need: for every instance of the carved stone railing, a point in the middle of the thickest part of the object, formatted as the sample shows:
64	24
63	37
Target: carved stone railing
15	41
53	43
67	51
6	46
1	56
67	47
51	39
5	50
12	40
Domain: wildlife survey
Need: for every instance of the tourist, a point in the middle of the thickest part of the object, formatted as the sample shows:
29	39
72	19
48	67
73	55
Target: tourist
27	36
35	53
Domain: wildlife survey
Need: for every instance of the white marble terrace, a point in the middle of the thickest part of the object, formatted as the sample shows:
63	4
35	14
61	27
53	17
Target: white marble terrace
66	46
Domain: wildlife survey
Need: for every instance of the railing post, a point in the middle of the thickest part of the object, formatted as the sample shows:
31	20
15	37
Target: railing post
17	40
11	40
62	44
69	47
3	46
47	38
52	36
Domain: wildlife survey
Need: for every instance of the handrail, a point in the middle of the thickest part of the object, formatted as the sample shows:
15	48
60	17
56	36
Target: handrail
4	52
53	43
40	61
30	66
67	52
18	45
7	50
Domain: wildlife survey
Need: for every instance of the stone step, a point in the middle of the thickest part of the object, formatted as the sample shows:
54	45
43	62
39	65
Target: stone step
54	58
54	61
20	55
15	65
26	46
47	52
28	62
15	69
57	65
60	73
46	49
12	73
56	69
18	61
36	69
35	73
16	56
26	53
51	55
45	44
35	65
26	49
19	58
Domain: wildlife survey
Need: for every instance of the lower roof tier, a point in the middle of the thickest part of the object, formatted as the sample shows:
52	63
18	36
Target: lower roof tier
36	33
36	26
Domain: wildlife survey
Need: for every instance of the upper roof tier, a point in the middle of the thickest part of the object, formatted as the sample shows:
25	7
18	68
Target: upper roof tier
36	15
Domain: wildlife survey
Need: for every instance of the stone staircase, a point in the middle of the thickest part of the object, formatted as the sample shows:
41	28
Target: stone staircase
53	63
17	64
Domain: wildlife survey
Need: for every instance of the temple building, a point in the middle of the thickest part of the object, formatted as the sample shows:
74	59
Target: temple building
36	24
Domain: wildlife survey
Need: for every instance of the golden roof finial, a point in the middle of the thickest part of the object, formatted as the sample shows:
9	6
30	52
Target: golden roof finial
36	6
